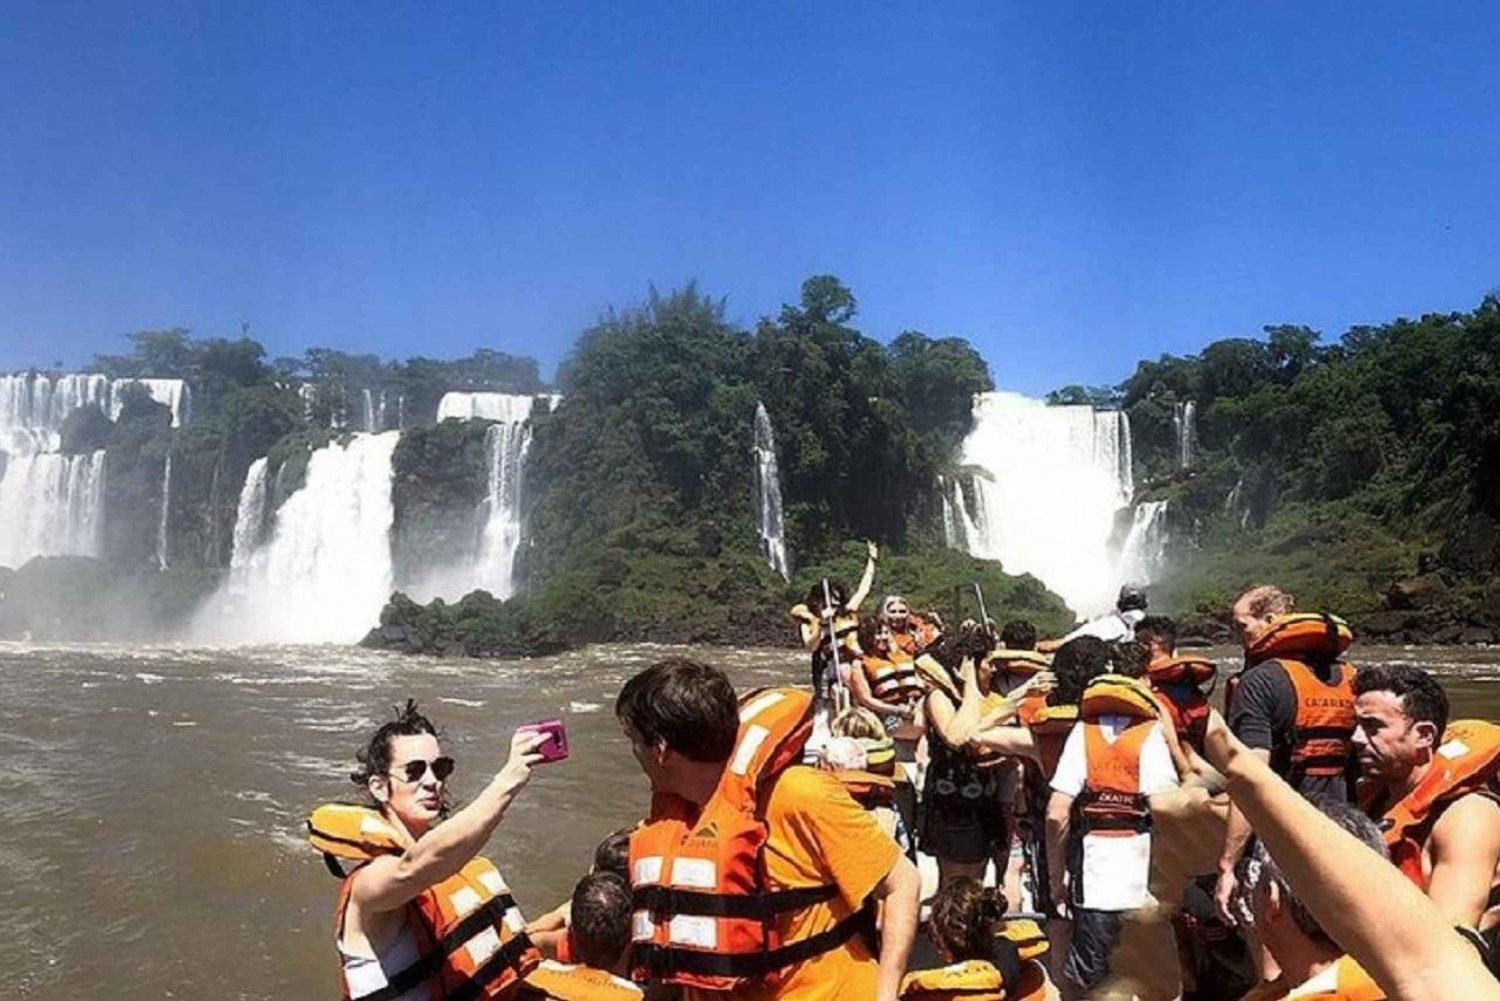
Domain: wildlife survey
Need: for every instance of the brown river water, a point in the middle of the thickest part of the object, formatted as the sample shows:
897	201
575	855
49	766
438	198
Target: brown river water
152	799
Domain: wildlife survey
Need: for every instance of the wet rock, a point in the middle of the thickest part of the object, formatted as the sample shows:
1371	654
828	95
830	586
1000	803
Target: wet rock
1417	592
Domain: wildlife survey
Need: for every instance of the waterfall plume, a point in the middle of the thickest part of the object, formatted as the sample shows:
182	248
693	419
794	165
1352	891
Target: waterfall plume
771	529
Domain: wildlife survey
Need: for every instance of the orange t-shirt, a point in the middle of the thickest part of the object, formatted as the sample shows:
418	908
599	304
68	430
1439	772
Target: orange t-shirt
820	837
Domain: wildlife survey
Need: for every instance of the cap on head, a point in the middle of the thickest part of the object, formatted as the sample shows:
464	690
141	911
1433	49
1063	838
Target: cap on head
1132	596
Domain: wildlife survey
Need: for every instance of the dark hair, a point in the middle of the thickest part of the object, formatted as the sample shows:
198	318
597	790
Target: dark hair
599	922
1076	663
613	853
1130	658
689	705
1132	596
1346	816
375	757
1018	634
837	590
966	916
1158	629
869	625
1422	698
969	640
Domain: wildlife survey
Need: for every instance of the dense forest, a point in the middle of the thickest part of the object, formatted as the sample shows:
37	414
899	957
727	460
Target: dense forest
1363	474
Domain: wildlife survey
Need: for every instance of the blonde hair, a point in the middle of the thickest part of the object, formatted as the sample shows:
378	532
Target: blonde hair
859	723
1265	599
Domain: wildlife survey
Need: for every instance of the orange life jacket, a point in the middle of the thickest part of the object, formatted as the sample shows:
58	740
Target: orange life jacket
918	636
1346	980
1468	761
1299	636
1018	665
469	931
1049	726
567	982
1111	803
1177	681
1323	733
704	914
868	789
972	980
1186	668
880	756
895	681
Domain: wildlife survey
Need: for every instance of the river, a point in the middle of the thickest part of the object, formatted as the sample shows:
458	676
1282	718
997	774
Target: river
152	799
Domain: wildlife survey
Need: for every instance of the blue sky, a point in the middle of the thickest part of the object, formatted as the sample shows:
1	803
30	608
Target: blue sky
1070	186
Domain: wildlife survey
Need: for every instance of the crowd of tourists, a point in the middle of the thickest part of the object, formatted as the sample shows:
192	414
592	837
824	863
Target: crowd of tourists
1098	827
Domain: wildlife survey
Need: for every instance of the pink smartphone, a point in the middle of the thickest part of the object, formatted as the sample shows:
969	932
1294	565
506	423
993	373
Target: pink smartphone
556	748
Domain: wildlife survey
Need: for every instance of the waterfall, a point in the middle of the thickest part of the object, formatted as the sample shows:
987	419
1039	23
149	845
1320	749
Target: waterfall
51	505
768	496
367	411
325	571
505	447
508	408
1185	432
950	528
166	502
33	408
1143	556
249	515
506	443
172	393
1053	478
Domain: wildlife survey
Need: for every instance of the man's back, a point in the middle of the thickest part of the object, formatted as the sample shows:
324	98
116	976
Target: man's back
819	837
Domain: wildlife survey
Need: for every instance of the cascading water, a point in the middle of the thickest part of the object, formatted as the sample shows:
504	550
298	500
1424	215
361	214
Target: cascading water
166	503
325	571
1185	432
505	407
771	529
1051	481
505	446
173	393
51	505
249	515
1143	555
33	408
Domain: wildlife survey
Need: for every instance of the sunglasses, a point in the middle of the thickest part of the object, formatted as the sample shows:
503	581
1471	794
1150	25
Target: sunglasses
412	771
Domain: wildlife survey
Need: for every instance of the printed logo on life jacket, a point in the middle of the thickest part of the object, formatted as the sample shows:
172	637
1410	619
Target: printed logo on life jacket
709	832
1320	702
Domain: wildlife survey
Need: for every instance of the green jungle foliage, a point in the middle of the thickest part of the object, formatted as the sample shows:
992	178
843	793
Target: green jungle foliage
1336	469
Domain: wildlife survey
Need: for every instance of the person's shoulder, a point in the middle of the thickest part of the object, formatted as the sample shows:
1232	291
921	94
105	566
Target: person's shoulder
802	783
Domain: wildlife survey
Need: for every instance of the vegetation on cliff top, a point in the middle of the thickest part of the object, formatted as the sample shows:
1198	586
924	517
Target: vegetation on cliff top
1338	469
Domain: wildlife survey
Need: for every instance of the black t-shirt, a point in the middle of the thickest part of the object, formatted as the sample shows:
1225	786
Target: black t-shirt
1263	715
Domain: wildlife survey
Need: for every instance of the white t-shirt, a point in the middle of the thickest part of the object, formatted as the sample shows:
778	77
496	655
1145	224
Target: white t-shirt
1111	628
1116	868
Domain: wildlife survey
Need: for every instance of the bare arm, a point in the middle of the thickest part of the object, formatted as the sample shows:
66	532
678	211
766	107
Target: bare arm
1059	813
808	627
391	882
1236	835
867	581
954	724
1362	901
1012	741
900	891
1465	847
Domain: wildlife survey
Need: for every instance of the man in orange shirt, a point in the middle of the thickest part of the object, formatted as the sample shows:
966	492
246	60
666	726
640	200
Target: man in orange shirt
727	791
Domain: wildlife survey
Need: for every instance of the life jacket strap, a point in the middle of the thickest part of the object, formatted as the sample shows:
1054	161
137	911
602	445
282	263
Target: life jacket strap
668	961
507	957
752	907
